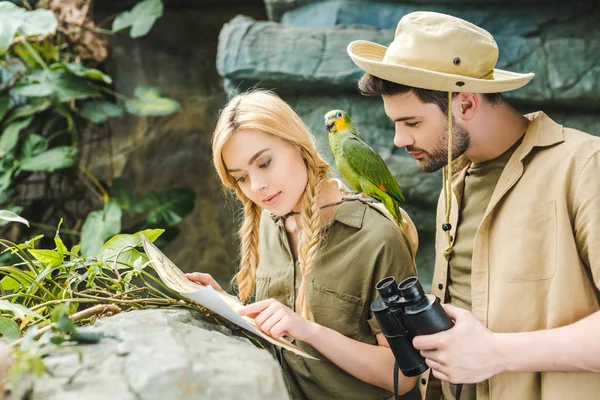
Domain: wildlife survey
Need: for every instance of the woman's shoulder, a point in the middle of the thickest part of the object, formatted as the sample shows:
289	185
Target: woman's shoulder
367	220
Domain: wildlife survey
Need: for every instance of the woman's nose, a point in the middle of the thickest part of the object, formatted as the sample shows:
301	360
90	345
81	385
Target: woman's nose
256	185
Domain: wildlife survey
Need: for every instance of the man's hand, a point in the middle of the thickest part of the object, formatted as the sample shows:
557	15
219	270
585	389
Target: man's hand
204	279
466	353
277	320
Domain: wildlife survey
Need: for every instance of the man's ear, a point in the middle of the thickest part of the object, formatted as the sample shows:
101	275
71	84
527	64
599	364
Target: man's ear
468	105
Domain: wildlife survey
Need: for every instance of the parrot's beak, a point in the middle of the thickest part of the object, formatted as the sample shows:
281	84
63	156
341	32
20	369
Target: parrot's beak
329	126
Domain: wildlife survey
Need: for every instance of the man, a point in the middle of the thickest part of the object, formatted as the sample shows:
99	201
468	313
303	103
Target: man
518	241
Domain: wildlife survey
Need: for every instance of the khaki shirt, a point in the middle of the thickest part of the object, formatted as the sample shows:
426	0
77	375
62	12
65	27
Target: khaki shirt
536	254
361	246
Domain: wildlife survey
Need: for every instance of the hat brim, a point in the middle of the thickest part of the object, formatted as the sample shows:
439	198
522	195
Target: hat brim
368	56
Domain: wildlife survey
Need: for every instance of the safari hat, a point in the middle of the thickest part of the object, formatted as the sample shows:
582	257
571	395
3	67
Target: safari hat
438	52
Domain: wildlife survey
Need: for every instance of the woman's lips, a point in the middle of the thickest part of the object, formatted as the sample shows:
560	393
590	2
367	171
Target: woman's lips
272	199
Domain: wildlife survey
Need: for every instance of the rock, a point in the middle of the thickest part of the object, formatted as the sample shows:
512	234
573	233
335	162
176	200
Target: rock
313	59
278	10
162	354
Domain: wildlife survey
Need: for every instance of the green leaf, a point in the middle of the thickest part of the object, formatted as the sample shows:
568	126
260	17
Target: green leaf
30	243
18	310
53	159
140	18
13	281
112	247
11	216
16	20
4	104
99	111
99	226
61	83
123	193
34	106
60	246
60	311
34	89
167	207
10	135
65	325
83	72
48	257
5	181
75	251
33	54
32	145
57	340
9	329
10	72
87	336
148	102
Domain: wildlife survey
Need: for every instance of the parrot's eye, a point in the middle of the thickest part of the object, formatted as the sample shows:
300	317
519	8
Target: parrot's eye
339	115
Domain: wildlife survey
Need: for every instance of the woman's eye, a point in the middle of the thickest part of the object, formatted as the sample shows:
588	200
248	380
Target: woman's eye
241	179
411	124
265	164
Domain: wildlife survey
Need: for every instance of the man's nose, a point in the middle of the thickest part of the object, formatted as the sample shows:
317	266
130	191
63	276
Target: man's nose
401	139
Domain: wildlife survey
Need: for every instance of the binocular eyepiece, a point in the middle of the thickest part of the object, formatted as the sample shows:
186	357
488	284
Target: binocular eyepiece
404	311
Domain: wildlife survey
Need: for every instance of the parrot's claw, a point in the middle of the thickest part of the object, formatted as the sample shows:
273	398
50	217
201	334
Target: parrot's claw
358	196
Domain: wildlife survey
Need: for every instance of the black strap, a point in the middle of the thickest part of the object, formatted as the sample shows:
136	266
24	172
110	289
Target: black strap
458	391
396	370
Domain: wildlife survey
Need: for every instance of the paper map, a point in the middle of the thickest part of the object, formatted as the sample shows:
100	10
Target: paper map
218	302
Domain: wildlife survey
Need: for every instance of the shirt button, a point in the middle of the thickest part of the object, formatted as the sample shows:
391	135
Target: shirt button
440	286
290	299
423	381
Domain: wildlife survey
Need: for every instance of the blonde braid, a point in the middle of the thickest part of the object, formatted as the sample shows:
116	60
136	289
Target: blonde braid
310	234
249	248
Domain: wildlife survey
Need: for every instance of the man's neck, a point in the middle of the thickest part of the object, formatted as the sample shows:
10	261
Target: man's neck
496	129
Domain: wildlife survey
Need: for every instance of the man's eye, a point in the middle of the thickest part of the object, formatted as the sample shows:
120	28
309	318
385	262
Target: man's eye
411	124
241	179
265	164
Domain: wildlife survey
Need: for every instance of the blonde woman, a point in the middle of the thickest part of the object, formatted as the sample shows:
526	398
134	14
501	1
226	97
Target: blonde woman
313	258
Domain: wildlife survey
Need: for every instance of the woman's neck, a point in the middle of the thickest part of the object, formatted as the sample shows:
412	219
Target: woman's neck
330	194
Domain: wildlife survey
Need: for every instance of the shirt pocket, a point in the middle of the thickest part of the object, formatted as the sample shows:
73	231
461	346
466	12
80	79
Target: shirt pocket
339	311
262	287
529	245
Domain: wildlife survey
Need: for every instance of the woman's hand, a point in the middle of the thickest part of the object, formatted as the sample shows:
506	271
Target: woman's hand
204	279
277	320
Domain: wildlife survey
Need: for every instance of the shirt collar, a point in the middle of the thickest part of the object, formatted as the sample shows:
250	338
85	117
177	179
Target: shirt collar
541	132
350	213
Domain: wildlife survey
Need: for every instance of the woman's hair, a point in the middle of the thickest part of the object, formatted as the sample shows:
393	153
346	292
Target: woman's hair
264	112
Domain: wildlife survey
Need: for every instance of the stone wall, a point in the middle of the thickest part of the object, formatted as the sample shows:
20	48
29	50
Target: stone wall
301	54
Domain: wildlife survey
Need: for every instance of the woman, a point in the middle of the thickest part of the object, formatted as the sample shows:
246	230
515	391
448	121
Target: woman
313	257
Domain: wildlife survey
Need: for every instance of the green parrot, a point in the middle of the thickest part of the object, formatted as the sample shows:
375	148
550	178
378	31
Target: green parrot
360	165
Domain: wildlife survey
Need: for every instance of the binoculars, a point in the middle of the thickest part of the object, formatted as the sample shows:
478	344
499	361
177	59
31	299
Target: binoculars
404	311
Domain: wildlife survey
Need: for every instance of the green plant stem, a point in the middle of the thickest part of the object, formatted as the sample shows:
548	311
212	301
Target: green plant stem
113	93
136	301
31	296
35	55
95	181
21	254
60	301
20	273
98	309
53	228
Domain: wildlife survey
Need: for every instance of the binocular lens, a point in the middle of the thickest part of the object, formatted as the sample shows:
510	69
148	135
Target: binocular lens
411	289
387	287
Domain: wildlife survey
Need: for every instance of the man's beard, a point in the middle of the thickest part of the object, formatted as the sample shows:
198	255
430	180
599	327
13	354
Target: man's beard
438	157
